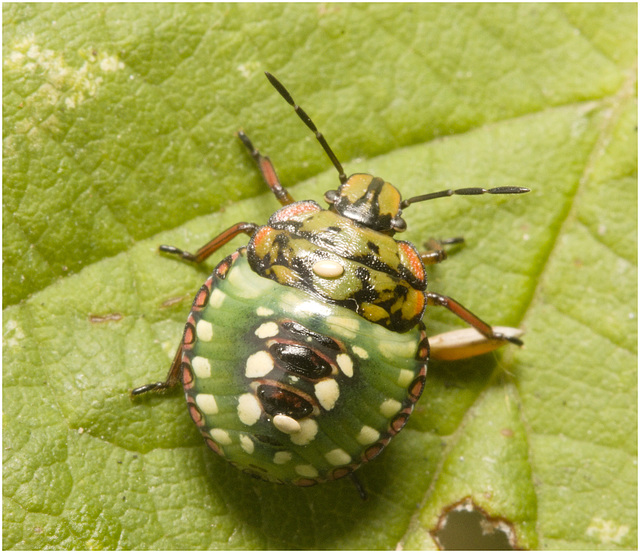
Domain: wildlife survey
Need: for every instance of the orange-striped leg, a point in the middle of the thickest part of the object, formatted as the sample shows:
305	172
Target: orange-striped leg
214	245
270	177
268	171
471	319
173	377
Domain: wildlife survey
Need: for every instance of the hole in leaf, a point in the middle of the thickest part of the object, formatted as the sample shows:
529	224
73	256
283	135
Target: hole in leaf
464	525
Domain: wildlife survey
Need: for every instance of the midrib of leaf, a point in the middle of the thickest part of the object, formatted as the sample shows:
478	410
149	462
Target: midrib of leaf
617	102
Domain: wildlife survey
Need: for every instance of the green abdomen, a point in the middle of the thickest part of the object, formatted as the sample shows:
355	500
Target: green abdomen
290	388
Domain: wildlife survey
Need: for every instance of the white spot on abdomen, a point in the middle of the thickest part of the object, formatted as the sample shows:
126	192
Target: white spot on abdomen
258	365
327	392
345	363
282	457
249	409
220	436
246	443
207	404
286	424
367	435
204	330
390	407
360	352
338	457
307	470
308	431
201	367
267	330
217	298
405	377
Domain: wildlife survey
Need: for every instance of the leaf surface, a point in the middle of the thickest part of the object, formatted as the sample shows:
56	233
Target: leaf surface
118	137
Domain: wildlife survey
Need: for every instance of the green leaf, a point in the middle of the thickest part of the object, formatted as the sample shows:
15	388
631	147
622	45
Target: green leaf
118	137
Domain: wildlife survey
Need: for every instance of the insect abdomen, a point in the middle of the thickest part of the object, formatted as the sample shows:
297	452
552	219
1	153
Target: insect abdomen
289	388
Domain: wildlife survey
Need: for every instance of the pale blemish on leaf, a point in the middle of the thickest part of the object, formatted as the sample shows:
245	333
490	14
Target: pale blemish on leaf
248	69
13	334
169	348
606	531
63	81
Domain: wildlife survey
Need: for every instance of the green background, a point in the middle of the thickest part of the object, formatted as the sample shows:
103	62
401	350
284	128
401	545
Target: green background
119	124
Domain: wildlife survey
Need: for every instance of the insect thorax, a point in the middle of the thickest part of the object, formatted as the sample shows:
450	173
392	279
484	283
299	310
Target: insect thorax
378	277
369	201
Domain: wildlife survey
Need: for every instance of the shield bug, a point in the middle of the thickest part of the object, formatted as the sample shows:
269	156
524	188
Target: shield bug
305	351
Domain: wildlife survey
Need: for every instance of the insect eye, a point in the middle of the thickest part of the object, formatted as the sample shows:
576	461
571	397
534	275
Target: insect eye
331	196
398	224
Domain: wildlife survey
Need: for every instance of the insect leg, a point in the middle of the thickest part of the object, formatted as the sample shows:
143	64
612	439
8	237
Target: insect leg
362	492
467	316
213	245
436	253
173	377
463	343
268	172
